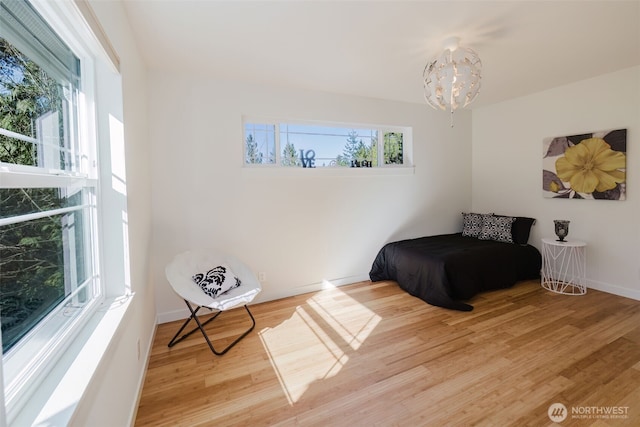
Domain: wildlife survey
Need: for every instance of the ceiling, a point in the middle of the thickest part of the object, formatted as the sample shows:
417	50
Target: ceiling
379	49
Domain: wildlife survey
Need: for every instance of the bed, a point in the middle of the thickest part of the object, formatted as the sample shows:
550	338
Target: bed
445	270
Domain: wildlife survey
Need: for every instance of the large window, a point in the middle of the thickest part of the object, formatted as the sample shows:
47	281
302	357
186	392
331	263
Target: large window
311	146
48	200
44	256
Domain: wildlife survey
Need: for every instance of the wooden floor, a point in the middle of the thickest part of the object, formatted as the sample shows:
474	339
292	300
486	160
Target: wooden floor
369	354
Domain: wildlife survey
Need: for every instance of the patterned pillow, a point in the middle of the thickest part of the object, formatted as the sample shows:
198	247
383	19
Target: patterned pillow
497	228
472	223
521	229
217	281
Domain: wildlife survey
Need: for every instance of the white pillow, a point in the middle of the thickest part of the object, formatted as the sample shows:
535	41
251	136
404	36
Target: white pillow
217	281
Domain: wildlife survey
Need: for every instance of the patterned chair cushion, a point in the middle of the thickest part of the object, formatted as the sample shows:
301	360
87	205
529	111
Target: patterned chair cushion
217	281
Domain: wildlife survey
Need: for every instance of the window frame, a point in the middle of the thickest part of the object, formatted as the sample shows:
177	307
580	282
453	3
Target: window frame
26	373
407	153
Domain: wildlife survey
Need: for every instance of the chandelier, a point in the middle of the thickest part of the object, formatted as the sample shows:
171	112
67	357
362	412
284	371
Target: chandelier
452	80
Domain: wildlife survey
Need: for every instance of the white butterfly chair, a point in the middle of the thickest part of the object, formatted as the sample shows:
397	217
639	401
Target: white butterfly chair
180	272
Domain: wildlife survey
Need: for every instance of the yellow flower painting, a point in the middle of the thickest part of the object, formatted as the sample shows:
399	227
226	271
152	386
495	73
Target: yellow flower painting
586	166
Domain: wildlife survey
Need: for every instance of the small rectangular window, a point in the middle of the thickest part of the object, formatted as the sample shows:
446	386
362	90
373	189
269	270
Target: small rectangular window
321	146
393	148
260	143
311	146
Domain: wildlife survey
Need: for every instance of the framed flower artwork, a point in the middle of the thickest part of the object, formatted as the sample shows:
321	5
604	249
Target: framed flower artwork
587	166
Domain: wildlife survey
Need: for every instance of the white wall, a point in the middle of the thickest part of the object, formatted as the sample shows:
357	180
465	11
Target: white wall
299	226
507	170
112	396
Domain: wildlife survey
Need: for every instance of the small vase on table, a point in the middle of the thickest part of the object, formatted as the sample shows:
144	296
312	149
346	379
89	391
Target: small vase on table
561	228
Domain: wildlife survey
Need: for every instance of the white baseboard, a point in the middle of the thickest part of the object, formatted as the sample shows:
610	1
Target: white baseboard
170	316
615	290
606	287
269	294
143	373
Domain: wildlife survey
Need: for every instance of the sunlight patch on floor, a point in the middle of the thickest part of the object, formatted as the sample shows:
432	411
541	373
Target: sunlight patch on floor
353	323
315	342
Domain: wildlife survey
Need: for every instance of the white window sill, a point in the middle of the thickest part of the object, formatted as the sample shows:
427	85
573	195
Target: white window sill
59	394
329	171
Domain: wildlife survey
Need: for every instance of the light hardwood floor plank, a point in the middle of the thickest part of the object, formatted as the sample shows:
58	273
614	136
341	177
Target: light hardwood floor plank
369	354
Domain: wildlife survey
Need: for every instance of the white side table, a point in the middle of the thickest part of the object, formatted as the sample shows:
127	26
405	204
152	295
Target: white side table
564	266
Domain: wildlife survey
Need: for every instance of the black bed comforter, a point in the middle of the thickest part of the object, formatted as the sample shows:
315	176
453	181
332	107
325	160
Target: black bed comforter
442	270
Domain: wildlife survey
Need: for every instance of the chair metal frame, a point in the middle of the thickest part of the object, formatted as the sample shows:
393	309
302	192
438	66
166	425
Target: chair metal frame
194	315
